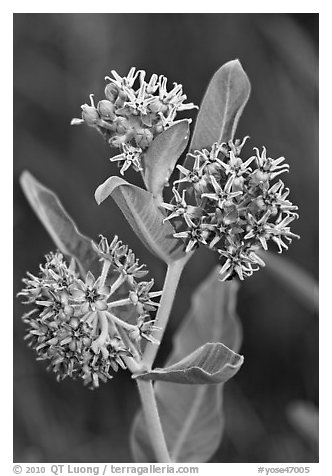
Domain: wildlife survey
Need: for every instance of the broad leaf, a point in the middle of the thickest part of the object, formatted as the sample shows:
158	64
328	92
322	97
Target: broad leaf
209	364
221	109
59	224
162	155
143	215
302	285
192	416
222	106
304	417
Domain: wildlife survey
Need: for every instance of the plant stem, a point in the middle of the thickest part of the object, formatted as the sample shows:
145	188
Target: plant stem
106	267
173	275
132	365
153	421
117	283
146	390
120	322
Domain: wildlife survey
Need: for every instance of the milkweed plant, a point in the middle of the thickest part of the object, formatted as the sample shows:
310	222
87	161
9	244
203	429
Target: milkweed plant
93	308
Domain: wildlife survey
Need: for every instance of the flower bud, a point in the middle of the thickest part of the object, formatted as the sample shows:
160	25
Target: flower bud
121	99
140	308
257	205
117	141
72	345
106	109
121	125
133	297
158	129
213	169
135	334
111	92
87	341
157	106
143	138
258	176
90	115
238	184
68	310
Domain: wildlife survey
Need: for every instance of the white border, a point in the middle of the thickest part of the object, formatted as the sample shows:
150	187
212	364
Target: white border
324	467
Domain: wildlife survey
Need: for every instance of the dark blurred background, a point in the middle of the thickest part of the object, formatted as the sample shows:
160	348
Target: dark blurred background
59	59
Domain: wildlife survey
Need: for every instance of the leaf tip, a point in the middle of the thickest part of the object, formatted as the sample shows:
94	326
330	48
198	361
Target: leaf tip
239	359
234	62
24	177
98	197
29	184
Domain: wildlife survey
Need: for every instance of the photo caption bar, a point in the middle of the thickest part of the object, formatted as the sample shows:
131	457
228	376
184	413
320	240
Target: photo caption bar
103	469
201	469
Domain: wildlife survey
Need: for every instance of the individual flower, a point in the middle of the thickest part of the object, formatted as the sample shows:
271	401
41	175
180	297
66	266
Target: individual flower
198	232
80	324
223	195
91	295
280	229
235	167
196	177
275	200
121	257
267	168
141	296
130	156
238	261
259	229
133	113
144	330
55	304
180	208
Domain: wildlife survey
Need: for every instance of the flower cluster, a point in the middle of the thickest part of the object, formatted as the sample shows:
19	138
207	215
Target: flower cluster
233	206
131	117
77	324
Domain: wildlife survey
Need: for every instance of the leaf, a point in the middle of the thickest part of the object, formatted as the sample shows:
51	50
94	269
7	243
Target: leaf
59	224
192	416
209	364
143	215
222	106
162	155
303	286
304	417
